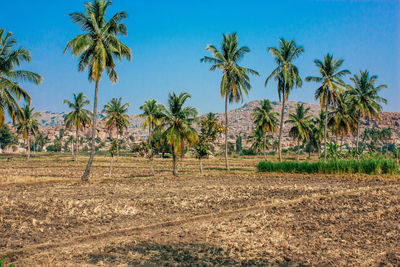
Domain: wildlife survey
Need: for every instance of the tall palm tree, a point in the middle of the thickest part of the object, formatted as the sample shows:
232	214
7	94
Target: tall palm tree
152	112
235	79
178	123
365	99
27	124
266	120
116	117
329	93
97	49
10	90
301	125
79	117
286	74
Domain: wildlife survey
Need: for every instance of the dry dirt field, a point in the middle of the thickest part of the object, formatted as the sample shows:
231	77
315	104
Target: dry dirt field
242	218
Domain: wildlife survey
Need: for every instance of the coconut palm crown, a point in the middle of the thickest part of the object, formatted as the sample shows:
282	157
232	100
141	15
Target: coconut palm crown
10	90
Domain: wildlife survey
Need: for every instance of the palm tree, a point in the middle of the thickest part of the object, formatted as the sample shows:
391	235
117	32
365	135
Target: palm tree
152	112
79	117
27	124
317	134
343	119
97	48
301	125
365	99
286	74
258	140
235	80
10	90
178	122
332	87
116	117
266	120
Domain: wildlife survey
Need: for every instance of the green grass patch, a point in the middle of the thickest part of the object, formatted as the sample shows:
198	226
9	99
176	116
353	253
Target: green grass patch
367	166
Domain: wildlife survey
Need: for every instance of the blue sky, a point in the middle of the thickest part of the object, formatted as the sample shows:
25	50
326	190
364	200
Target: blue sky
168	38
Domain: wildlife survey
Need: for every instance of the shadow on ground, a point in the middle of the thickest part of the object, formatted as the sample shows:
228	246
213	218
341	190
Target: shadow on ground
151	254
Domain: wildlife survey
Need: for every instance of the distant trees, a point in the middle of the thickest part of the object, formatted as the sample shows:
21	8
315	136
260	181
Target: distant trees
235	79
10	78
97	48
6	136
79	117
286	74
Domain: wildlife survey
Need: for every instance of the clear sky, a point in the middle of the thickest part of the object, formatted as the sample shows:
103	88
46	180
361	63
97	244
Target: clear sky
168	38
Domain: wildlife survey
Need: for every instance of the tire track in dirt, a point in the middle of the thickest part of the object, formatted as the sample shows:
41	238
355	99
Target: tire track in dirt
125	232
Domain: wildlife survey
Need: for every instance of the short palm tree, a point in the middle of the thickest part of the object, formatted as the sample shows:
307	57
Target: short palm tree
178	125
364	98
317	135
152	112
301	125
10	89
343	119
332	87
79	117
97	48
286	75
27	124
235	79
258	140
265	119
116	117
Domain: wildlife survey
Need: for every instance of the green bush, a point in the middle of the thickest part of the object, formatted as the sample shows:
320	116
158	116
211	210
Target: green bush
368	166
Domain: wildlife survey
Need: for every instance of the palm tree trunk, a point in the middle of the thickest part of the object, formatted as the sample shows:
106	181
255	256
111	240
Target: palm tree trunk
174	162
77	145
111	162
29	150
358	137
151	151
326	126
226	133
298	149
117	144
201	165
281	126
85	176
264	147
182	149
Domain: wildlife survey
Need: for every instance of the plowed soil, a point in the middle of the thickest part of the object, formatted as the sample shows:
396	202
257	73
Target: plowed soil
48	217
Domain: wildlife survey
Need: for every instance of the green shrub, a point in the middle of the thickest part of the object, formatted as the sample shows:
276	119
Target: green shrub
367	166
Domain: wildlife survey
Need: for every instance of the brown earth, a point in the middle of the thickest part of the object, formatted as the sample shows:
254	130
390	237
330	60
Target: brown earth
48	217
